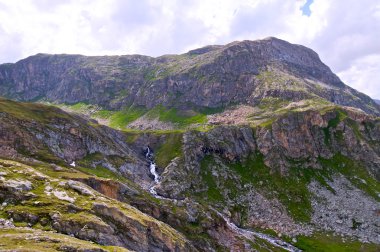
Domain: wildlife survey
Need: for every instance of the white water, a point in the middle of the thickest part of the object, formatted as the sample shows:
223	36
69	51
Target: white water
72	164
154	172
250	235
152	169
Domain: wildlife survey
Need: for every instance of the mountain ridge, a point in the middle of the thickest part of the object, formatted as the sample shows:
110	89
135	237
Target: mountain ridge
242	72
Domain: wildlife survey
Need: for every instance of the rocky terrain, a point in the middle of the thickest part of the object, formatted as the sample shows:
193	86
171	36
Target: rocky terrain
251	146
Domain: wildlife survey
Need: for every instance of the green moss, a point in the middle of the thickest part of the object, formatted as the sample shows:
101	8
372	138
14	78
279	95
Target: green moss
31	111
268	123
16	239
131	136
171	148
354	171
272	103
103	114
290	189
340	115
213	193
355	128
182	118
121	119
330	243
86	165
80	106
100	171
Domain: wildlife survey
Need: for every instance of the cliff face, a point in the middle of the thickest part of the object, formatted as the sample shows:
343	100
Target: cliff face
217	76
292	166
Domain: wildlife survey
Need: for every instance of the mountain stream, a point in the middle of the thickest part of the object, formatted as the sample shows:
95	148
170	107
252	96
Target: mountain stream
248	234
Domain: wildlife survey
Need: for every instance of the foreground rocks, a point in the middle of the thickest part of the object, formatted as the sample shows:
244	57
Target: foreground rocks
89	216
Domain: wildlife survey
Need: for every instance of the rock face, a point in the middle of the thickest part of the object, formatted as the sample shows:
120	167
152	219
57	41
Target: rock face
246	171
216	76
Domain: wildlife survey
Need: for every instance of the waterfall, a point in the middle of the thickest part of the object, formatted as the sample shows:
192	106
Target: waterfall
152	169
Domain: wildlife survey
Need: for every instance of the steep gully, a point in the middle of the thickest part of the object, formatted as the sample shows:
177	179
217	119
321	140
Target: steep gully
248	234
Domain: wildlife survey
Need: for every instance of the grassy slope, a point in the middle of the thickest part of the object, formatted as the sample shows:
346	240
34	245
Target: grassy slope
121	118
22	239
330	243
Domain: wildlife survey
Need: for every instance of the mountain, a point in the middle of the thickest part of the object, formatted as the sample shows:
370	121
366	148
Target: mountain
211	77
268	151
377	101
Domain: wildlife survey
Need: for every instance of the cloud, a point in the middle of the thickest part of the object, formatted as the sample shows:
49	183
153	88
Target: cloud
364	72
346	34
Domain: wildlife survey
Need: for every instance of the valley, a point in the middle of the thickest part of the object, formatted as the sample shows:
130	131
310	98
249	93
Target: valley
249	146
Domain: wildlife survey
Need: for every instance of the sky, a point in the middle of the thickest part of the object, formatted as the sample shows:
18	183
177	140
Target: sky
345	33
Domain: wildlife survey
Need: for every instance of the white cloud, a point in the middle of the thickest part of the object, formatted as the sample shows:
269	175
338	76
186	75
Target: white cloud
364	72
346	34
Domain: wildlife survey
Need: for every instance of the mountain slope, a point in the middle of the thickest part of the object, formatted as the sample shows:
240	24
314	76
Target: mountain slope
251	146
45	140
211	181
215	76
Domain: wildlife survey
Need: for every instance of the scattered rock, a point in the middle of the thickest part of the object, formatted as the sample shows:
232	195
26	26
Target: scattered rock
62	195
79	187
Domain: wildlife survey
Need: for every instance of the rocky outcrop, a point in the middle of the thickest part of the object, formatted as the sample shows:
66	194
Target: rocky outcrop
243	170
27	239
303	137
89	216
148	237
240	72
205	229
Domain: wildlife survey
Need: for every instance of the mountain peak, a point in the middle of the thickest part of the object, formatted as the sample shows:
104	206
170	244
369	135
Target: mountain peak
241	72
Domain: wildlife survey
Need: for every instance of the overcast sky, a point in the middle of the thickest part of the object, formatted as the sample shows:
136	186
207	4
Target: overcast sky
345	33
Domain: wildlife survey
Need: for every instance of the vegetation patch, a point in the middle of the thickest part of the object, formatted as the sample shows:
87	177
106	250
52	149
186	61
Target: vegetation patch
213	192
353	171
171	148
182	118
340	115
330	243
290	189
31	111
121	119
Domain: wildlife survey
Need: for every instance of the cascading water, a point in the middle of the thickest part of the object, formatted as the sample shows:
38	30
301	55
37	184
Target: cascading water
243	232
252	234
152	169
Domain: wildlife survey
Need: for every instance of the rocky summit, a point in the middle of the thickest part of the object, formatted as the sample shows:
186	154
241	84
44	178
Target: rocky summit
249	146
